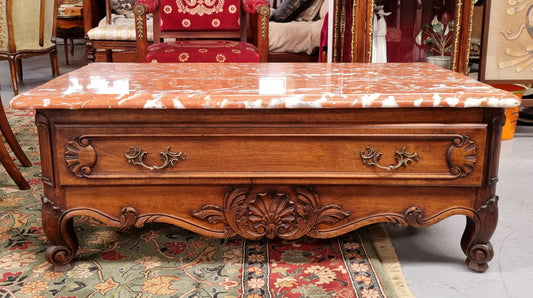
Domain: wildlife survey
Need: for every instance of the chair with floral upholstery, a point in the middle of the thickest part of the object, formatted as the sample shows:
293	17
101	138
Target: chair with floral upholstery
203	31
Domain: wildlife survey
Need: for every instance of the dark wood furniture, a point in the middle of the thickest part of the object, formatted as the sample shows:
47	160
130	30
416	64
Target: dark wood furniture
353	23
69	27
268	149
292	57
105	50
5	158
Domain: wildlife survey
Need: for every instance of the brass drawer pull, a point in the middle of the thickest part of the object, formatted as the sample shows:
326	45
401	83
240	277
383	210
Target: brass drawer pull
136	156
372	157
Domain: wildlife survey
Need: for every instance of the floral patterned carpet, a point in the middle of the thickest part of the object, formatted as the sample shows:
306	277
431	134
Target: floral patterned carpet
160	260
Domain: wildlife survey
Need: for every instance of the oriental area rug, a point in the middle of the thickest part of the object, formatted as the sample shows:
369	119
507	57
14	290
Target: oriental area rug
160	260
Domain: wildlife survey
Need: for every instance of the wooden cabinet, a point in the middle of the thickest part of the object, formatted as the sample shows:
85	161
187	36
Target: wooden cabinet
281	173
354	24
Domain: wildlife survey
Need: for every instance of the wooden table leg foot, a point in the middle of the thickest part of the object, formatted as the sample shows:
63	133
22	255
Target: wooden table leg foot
479	256
61	257
59	229
479	229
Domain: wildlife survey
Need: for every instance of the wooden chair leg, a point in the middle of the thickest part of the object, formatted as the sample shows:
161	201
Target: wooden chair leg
14	74
55	64
6	160
65	47
12	169
109	55
12	140
19	69
72	46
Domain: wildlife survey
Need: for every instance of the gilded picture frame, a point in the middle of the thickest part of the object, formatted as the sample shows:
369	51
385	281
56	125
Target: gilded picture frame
507	42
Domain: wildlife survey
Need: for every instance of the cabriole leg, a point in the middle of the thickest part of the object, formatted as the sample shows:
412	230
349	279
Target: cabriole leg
479	230
59	230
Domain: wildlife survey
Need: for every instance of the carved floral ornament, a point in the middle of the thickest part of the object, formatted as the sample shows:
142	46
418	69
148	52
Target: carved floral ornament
271	213
200	7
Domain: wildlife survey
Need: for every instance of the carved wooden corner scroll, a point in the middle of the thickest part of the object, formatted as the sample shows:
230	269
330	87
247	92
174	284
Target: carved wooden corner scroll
462	156
253	215
80	156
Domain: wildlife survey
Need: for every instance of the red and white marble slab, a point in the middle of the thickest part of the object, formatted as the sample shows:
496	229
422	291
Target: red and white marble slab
262	86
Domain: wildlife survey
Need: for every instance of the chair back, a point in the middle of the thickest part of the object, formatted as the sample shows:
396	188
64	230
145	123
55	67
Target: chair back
208	19
26	25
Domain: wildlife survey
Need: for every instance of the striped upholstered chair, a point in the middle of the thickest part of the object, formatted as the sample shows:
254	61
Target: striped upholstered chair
203	31
110	30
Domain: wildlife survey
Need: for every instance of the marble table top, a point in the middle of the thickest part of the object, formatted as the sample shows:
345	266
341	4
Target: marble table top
262	86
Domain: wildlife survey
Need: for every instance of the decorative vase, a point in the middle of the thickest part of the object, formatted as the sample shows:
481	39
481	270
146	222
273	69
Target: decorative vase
442	61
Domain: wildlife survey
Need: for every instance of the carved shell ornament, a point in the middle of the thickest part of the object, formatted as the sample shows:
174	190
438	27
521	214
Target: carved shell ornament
271	213
200	7
462	156
80	156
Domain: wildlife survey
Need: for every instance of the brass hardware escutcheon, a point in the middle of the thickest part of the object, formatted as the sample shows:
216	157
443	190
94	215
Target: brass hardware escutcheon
136	156
372	157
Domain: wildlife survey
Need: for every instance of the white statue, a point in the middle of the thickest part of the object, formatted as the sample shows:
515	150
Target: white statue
379	40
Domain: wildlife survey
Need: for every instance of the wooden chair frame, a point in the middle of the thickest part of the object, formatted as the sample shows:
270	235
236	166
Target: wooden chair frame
105	50
14	56
5	158
258	29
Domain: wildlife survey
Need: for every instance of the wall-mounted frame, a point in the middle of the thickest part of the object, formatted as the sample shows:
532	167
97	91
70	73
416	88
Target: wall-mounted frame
507	42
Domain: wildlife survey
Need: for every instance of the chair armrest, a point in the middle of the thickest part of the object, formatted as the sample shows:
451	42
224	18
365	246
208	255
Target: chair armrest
150	5
253	6
141	9
261	8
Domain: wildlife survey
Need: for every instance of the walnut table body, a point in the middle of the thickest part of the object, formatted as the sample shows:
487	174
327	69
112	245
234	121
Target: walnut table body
268	150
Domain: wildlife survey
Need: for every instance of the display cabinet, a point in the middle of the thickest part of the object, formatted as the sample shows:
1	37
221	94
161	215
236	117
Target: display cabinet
361	31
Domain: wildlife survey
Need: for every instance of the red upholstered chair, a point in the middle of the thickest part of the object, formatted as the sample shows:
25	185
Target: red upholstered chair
203	31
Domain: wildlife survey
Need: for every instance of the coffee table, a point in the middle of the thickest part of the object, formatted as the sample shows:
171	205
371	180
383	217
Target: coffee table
268	150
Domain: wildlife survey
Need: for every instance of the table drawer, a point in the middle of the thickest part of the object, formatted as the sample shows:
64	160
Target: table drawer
355	154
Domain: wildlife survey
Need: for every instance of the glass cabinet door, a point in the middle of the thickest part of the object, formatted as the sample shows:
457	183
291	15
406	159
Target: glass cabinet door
403	31
414	29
